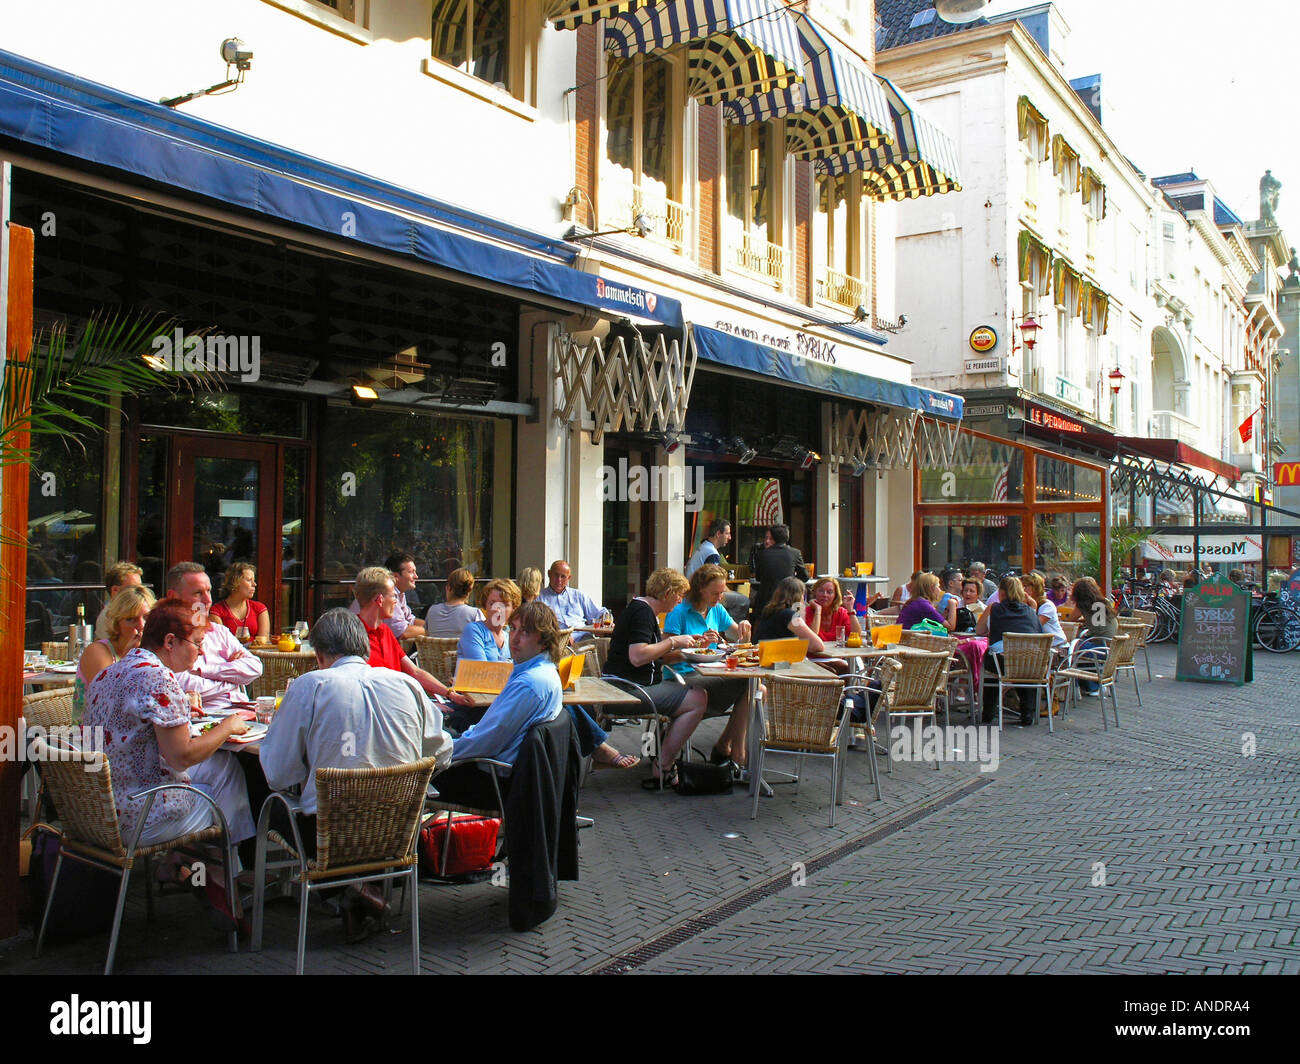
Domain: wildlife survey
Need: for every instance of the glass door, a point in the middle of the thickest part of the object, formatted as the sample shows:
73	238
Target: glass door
225	511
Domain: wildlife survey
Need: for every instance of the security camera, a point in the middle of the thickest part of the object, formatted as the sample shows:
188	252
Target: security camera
236	53
643	225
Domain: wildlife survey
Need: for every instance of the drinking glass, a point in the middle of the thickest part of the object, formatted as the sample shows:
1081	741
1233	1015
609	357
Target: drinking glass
839	635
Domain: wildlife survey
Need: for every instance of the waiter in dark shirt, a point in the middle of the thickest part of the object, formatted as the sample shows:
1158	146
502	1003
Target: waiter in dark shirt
773	564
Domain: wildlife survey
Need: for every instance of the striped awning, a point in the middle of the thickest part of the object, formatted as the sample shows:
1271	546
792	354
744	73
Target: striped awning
921	161
839	106
733	48
570	14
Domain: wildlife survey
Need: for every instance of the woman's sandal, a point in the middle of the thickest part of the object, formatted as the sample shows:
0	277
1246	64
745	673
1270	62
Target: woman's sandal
669	778
619	760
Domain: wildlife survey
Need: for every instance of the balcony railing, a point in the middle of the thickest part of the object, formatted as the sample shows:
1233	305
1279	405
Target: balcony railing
841	288
755	255
1166	425
671	220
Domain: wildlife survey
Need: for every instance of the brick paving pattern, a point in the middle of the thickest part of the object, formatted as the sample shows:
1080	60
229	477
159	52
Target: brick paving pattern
990	872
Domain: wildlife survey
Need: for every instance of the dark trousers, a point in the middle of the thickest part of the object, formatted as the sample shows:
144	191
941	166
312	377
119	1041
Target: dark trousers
1028	696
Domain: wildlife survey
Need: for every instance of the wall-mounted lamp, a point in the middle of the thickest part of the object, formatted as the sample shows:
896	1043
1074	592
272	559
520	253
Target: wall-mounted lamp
236	54
1116	377
363	395
860	314
806	458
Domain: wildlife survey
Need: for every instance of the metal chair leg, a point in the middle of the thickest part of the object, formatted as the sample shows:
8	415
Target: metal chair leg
304	903
49	902
753	811
415	918
117	921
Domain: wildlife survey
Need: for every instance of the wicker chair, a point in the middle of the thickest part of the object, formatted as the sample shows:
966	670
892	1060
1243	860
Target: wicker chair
48	710
437	656
1071	630
1106	660
1026	665
799	720
55	651
646	711
1137	630
909	690
1149	619
82	786
277	670
367	825
935	644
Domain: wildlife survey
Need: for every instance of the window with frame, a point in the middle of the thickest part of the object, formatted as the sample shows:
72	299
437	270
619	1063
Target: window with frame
841	239
643	139
1033	145
475	36
754	157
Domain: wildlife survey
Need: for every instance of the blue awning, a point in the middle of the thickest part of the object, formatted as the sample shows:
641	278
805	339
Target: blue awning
840	105
47	108
713	345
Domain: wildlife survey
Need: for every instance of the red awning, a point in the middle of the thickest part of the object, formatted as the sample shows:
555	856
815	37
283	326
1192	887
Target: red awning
1176	453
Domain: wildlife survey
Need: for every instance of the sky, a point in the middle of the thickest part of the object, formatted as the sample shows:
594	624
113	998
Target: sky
1205	85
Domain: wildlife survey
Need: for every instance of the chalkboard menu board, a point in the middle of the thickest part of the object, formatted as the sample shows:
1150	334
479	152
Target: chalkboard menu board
1214	636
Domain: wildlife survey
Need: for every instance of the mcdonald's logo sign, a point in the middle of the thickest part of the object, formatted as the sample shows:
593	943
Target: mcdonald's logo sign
1286	473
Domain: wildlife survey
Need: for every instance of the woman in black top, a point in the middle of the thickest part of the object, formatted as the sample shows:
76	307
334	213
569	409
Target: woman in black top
1011	613
638	651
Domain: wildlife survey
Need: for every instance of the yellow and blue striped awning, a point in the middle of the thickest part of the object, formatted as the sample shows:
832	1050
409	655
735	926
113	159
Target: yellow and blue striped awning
839	107
734	48
921	161
570	14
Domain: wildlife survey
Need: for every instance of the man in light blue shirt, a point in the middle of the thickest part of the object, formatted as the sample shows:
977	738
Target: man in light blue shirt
570	606
530	697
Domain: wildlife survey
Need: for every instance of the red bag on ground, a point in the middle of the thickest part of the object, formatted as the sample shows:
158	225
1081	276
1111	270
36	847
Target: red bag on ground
473	844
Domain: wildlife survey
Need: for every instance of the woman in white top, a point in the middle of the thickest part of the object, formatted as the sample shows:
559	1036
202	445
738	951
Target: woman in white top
448	619
1036	589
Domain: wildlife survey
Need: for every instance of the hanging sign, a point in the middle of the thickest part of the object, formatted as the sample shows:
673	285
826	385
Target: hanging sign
1214	636
1212	549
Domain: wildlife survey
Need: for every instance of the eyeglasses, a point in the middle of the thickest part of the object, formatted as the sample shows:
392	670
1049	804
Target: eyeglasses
192	643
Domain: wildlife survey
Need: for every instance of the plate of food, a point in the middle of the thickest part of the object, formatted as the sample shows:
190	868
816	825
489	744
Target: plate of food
696	655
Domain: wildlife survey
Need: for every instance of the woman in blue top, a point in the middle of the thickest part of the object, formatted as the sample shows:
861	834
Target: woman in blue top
486	641
701	614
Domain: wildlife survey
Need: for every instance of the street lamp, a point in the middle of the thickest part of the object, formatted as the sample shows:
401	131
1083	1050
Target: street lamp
1029	331
1116	380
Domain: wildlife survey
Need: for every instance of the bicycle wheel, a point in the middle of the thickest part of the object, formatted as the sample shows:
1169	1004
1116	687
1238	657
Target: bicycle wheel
1164	628
1277	629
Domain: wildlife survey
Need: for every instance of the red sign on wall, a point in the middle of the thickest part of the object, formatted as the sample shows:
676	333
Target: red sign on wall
1049	419
1286	473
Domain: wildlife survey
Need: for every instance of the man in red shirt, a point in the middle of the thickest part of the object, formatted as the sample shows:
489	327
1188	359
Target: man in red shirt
377	597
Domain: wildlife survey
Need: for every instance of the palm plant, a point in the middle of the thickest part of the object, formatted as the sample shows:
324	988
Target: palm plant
55	390
1083	556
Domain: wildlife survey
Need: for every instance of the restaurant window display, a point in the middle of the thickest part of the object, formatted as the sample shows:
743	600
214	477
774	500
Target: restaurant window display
1010	505
65	532
393	480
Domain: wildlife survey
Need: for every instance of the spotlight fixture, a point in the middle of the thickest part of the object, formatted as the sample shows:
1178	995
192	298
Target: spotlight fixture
737	446
236	54
747	456
363	395
860	314
806	458
671	443
860	467
642	226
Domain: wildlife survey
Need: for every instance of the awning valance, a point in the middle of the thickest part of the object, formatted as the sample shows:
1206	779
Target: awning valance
838	107
1069	287
1033	251
1029	118
1065	160
714	345
922	160
1093	192
734	48
1096	307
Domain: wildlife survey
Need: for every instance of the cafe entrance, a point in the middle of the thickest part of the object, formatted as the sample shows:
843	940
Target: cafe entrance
217	500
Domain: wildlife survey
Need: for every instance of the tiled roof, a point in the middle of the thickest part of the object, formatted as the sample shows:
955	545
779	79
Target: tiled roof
902	22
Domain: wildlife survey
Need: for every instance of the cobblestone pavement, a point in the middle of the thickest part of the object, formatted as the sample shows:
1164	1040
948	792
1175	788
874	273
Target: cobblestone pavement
954	871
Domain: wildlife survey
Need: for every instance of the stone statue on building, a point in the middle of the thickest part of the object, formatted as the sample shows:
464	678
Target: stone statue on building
1293	280
1269	188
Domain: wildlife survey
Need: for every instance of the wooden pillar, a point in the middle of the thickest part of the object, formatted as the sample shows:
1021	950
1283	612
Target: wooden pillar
18	296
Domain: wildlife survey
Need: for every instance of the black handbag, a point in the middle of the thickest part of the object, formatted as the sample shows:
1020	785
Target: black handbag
699	777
